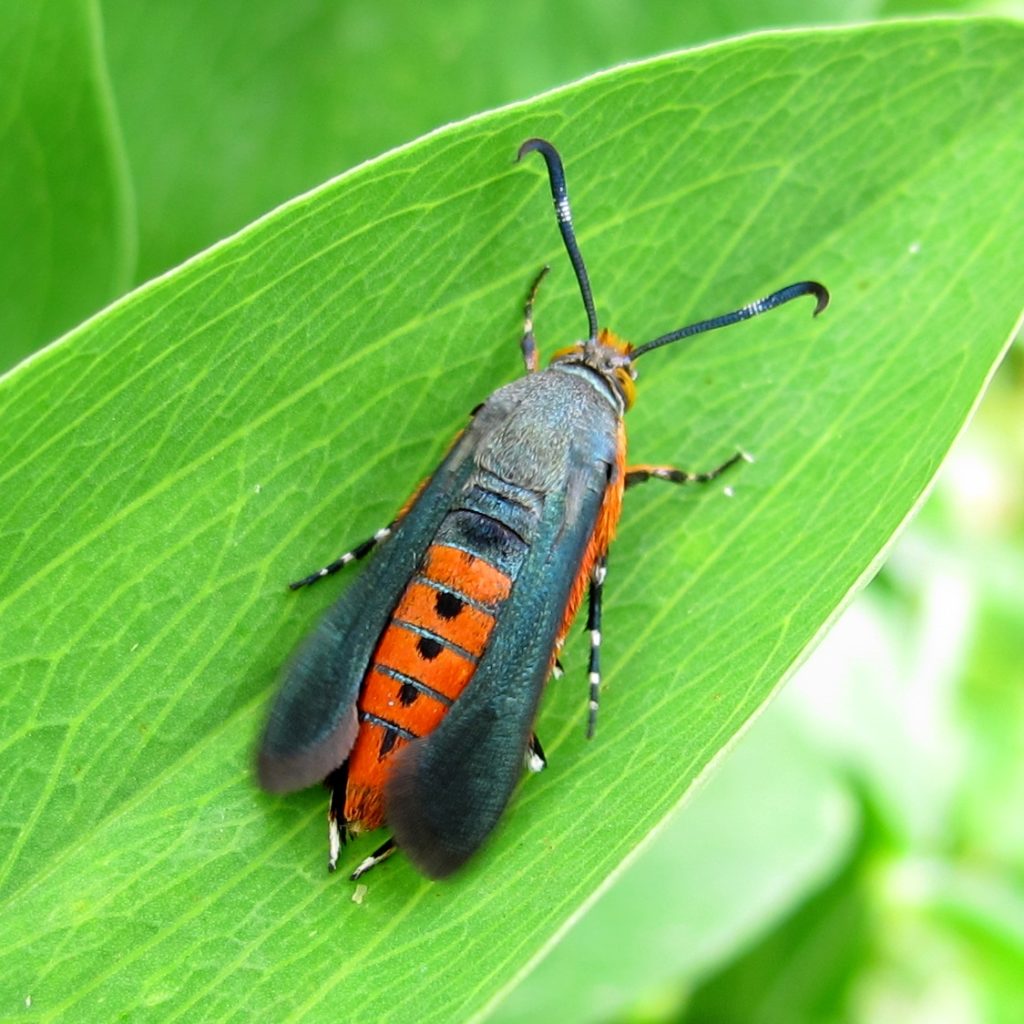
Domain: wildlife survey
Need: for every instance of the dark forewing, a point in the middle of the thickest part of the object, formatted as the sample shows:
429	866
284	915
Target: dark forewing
313	722
448	790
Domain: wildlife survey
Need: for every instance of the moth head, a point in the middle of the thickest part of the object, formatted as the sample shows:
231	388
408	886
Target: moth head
604	351
610	356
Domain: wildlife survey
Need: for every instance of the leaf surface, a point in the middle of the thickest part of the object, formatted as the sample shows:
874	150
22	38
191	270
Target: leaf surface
171	464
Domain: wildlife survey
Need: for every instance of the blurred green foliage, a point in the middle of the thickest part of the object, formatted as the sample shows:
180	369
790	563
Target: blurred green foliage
67	232
279	97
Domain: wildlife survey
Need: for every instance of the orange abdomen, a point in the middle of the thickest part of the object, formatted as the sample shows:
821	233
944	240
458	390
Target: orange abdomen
425	657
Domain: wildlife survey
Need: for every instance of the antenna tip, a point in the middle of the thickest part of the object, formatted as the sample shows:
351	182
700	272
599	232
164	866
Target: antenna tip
534	145
820	292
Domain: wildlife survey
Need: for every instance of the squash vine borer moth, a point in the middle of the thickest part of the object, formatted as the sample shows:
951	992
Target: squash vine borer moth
415	698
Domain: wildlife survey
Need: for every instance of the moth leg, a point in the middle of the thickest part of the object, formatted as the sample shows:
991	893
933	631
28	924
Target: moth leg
536	761
529	342
381	853
337	827
359	551
641	474
594	628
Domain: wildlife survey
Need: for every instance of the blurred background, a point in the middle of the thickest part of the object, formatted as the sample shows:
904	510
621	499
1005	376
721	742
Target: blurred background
859	855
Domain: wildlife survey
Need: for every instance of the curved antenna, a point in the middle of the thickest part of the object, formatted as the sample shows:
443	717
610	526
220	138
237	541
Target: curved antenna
556	174
783	295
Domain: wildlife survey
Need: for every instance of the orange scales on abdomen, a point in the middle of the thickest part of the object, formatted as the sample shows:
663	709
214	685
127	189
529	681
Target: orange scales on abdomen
426	655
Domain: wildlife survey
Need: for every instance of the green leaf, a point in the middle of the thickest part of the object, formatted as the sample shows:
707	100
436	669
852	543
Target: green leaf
722	872
232	107
172	463
65	209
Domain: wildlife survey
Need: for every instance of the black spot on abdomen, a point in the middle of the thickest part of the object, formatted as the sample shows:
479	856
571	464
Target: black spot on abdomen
428	647
447	604
387	743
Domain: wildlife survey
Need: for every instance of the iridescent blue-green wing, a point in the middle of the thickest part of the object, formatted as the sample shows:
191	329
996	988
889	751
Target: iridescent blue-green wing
312	723
449	789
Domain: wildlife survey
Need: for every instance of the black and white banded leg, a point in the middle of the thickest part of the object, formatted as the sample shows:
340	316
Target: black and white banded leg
336	838
337	828
529	342
535	759
641	474
337	832
381	853
359	551
594	628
